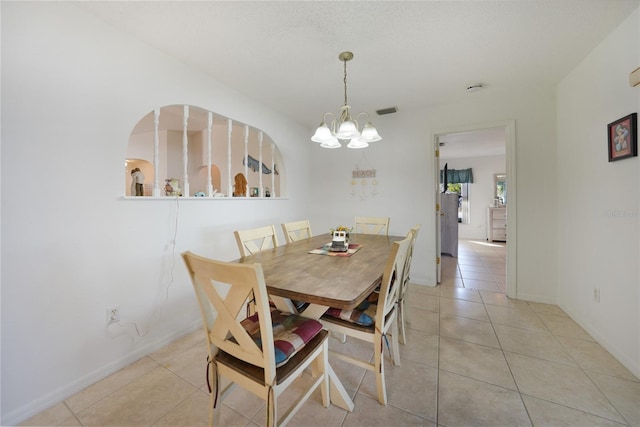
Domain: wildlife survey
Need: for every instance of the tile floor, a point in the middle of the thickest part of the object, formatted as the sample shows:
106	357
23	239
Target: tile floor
473	358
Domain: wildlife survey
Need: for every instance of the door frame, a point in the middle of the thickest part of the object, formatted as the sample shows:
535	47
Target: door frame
510	158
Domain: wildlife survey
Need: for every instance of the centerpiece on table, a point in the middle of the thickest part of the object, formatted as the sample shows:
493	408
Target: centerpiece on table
340	239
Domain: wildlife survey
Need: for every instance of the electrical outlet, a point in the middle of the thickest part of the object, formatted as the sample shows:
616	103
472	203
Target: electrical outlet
113	314
596	294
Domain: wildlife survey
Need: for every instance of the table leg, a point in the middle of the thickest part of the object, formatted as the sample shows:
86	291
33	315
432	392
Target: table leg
315	311
284	304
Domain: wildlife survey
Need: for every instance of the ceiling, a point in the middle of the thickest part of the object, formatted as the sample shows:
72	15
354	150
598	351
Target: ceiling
412	55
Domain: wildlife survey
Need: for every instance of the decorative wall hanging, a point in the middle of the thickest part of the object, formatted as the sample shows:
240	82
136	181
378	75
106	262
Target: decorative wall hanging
362	178
623	138
254	165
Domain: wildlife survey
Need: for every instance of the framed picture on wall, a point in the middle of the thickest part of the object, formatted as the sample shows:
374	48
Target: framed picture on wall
623	138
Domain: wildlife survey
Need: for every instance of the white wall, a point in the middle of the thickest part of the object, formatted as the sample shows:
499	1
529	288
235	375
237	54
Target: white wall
72	91
405	173
481	192
598	201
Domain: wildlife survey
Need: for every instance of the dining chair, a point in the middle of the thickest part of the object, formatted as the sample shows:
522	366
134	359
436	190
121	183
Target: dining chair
403	316
373	321
372	225
298	230
256	240
264	353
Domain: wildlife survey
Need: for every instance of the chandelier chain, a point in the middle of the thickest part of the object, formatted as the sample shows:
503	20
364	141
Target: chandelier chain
345	83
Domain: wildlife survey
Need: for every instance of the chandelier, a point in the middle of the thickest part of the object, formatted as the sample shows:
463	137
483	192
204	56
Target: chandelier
345	128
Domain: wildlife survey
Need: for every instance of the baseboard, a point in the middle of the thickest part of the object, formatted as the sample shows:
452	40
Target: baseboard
535	298
29	410
421	282
631	365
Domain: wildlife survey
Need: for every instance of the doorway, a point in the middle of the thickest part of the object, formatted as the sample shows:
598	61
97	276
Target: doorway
480	136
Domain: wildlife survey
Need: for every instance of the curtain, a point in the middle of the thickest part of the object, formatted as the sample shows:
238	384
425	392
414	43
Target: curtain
457	176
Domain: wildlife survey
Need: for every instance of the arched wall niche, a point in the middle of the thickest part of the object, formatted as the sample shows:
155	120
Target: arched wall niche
188	151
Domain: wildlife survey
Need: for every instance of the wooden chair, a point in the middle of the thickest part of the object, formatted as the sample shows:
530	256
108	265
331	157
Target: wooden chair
254	353
256	240
403	316
384	313
298	230
372	225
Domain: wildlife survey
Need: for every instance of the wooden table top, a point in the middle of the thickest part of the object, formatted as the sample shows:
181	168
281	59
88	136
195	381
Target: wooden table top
290	271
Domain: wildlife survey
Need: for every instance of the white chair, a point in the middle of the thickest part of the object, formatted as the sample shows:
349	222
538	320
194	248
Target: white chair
256	240
263	354
384	315
298	230
403	316
372	225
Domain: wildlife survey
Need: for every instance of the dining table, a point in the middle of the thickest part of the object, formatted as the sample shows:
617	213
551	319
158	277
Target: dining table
306	270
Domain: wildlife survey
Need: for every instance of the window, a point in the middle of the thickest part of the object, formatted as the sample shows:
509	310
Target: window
457	181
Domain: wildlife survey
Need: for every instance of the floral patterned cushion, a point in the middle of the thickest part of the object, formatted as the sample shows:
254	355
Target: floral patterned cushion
290	333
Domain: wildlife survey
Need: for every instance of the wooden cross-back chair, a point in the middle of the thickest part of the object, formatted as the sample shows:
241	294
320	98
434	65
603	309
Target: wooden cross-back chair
403	316
253	241
249	353
256	240
385	318
298	230
372	225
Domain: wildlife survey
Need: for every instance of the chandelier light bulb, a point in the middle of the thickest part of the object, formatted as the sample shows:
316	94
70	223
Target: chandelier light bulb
348	130
332	142
358	143
370	134
322	134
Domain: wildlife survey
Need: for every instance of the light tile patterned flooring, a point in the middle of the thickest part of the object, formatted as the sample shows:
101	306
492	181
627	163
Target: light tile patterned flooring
473	358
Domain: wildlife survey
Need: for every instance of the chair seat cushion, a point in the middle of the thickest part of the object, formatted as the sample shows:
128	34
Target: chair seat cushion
364	314
290	333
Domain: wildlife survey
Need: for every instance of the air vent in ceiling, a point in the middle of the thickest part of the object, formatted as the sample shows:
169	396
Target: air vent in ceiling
389	110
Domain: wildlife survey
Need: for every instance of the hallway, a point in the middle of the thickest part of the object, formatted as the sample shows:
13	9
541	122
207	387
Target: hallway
480	265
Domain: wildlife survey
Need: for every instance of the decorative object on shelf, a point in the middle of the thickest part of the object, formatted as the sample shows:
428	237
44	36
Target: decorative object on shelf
199	194
240	187
623	138
172	187
347	127
254	192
